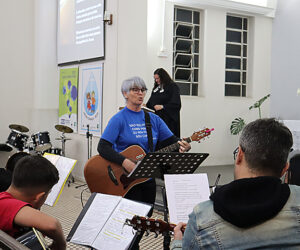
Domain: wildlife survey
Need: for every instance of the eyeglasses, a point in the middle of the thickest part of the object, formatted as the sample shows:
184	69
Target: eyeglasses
137	90
235	152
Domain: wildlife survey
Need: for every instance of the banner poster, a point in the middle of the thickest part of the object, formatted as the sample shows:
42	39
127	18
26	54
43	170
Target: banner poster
68	97
90	98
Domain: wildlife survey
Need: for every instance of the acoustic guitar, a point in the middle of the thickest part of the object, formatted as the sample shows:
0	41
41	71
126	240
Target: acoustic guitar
143	224
103	176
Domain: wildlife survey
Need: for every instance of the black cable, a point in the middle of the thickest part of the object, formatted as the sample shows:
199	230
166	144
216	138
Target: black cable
81	196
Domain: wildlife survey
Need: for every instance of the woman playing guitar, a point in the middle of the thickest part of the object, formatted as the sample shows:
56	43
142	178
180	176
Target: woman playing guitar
127	128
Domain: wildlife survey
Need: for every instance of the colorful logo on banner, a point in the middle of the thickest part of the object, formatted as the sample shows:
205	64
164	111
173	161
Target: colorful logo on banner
91	97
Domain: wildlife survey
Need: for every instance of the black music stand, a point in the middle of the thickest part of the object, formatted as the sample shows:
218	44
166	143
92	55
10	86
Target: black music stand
156	165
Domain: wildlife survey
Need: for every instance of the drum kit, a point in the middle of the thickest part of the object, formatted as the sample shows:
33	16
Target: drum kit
38	143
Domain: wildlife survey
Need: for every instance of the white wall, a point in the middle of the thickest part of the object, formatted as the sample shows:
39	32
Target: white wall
285	58
132	45
211	109
16	66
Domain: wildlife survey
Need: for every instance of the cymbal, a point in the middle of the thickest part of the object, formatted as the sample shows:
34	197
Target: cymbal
63	128
60	139
5	147
19	128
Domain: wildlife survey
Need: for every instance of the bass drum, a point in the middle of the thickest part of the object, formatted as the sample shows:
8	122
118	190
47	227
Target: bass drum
17	140
41	141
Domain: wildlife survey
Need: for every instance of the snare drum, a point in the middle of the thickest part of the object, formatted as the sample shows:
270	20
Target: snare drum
56	151
17	140
41	141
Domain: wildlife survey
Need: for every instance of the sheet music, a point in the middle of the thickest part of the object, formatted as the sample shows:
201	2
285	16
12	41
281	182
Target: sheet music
184	191
102	226
64	166
114	235
52	158
95	218
294	126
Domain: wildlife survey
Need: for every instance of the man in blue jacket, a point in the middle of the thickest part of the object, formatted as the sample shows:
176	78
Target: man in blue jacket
255	210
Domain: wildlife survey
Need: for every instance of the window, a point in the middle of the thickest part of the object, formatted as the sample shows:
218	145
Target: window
186	35
236	55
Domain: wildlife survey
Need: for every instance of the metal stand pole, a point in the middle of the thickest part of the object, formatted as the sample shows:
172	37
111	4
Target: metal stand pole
88	140
63	141
63	153
167	237
89	148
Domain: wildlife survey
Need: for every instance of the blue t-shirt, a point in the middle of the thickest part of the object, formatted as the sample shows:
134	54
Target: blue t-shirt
127	128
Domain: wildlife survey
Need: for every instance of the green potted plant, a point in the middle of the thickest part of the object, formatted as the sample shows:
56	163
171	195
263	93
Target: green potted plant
239	123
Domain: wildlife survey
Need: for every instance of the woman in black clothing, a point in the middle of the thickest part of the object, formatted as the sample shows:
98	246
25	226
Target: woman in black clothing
165	100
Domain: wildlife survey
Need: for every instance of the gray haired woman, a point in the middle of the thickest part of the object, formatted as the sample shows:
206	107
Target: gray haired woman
125	129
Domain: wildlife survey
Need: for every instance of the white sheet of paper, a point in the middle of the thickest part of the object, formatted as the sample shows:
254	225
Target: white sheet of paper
114	234
184	191
52	158
64	166
294	126
95	218
102	226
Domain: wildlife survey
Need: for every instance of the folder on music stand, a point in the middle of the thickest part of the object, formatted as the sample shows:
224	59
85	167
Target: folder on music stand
155	165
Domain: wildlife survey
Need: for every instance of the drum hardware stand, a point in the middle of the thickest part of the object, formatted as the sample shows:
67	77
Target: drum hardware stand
89	148
63	153
63	141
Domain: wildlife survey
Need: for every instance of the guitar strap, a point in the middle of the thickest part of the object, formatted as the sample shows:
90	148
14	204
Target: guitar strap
149	130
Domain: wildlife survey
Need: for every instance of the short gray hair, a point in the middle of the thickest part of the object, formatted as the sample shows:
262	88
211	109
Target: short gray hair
133	82
266	144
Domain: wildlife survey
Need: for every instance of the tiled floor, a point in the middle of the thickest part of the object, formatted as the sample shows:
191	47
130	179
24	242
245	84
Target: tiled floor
69	206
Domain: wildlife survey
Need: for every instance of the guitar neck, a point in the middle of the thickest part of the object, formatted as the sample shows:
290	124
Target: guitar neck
151	225
33	240
173	147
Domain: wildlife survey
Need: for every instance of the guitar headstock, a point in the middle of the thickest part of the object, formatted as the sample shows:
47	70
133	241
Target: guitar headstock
199	135
143	224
